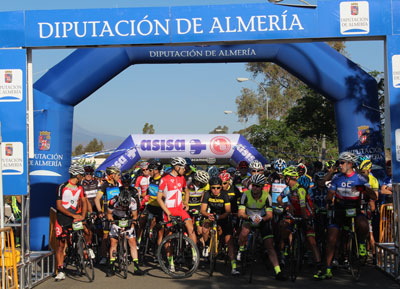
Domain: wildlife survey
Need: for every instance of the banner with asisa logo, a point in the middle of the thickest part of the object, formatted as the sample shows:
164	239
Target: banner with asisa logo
138	146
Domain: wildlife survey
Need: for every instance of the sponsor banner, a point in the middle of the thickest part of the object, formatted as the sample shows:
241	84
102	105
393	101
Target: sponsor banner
201	147
354	17
396	70
13	112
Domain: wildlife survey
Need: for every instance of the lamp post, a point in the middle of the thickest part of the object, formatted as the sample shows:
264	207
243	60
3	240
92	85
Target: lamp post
243	79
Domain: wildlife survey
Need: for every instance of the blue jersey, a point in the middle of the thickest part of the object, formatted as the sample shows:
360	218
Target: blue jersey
349	187
318	196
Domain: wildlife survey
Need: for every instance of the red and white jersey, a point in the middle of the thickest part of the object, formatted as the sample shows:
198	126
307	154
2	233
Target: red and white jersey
172	188
142	184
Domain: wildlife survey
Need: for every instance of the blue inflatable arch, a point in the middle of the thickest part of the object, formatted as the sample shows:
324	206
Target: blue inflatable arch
352	90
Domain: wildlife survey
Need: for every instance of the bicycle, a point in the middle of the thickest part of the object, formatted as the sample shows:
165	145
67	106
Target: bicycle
77	252
213	247
296	246
147	240
93	223
122	248
181	248
252	252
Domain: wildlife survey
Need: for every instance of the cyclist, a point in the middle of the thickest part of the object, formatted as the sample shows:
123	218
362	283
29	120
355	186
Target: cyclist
71	207
243	168
299	205
216	206
304	178
143	181
318	196
255	167
369	206
108	190
387	188
123	206
277	181
90	187
169	198
190	170
256	210
345	189
233	193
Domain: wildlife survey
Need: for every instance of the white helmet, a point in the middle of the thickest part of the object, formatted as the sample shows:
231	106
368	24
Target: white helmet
76	169
256	165
348	157
178	161
202	176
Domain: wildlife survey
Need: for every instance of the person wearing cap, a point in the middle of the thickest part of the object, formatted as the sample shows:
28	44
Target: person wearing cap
71	206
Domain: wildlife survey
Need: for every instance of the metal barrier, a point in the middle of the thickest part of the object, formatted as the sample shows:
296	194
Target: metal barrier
386	227
39	267
9	257
388	259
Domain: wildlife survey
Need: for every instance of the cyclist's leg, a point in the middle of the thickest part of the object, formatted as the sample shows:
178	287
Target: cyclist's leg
362	228
268	238
206	230
332	237
310	235
244	232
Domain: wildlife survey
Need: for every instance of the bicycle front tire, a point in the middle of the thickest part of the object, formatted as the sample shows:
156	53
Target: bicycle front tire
86	262
354	258
184	262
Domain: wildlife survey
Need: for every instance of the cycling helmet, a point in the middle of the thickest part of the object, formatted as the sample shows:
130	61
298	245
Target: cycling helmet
225	177
126	178
231	171
319	176
201	176
112	170
155	165
88	170
124	197
258	180
304	181
178	161
302	169
329	164
215	181
144	165
76	169
290	172
99	174
280	165
243	164
213	172
188	161
256	165
348	157
365	165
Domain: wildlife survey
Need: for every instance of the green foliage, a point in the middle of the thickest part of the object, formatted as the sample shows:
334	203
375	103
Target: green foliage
79	150
93	146
220	130
148	129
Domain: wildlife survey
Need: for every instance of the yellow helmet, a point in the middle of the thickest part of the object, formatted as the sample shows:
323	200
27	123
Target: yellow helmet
290	172
365	165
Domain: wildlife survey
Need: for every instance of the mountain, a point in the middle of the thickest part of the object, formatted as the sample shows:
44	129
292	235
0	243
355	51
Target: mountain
83	136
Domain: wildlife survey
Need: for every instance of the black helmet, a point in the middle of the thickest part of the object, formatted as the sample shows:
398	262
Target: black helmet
124	197
126	179
155	164
215	181
88	170
112	170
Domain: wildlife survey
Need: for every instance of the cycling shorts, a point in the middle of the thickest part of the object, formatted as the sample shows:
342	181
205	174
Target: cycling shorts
177	212
115	229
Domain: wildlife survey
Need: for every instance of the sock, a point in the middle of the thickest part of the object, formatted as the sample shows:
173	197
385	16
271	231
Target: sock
233	263
277	269
136	263
241	248
60	268
112	260
193	251
171	260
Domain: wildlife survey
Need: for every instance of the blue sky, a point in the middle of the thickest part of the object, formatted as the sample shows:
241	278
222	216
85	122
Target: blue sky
175	98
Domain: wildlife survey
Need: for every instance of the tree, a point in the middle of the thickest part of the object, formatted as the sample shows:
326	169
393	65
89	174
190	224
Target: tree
220	130
94	146
282	89
148	129
78	150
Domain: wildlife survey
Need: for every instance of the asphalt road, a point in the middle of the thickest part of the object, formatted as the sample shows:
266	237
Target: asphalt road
263	278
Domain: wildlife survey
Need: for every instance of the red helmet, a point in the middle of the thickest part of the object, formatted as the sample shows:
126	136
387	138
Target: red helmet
225	176
243	164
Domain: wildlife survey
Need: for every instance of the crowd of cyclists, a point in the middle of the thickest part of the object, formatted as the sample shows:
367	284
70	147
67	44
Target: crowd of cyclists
239	199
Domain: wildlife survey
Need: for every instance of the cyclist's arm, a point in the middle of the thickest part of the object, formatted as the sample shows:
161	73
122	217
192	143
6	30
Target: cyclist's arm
279	200
64	211
161	202
89	206
227	211
109	215
329	197
84	207
371	193
386	190
97	201
187	197
203	210
134	216
242	213
268	215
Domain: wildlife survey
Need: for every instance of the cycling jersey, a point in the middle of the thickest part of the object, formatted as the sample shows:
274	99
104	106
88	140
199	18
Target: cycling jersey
238	182
234	196
348	187
119	212
256	207
216	204
172	188
195	194
142	184
318	196
298	198
153	191
90	189
108	190
71	199
277	187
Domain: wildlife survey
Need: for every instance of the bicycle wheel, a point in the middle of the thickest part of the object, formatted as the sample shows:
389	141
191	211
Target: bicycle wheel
252	256
144	245
354	258
123	257
212	253
184	253
295	256
86	262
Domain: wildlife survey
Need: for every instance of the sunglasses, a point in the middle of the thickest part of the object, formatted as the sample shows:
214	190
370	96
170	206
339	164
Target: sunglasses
225	183
215	188
342	162
256	171
257	186
145	169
